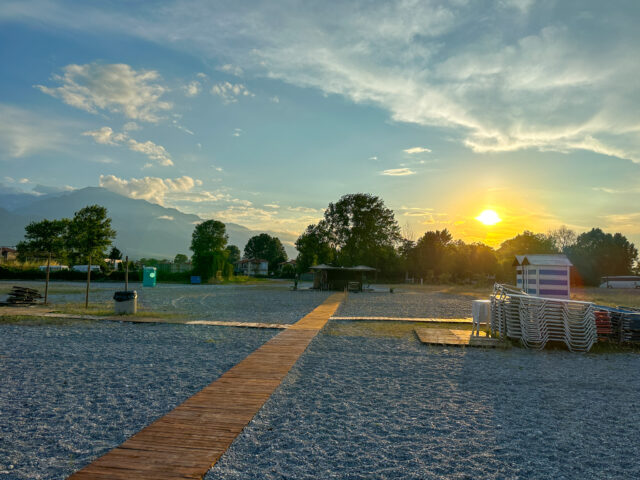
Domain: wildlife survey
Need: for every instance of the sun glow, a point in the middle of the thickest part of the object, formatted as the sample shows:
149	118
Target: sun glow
488	217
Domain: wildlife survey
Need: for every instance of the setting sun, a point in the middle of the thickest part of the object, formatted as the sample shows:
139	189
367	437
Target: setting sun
488	217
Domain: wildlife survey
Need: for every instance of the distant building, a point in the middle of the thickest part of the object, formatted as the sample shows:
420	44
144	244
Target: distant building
251	267
291	262
544	275
56	268
7	254
84	268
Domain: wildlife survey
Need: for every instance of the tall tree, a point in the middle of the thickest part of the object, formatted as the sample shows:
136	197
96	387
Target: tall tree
313	248
525	242
596	254
266	247
208	243
563	237
114	255
46	237
233	254
180	258
432	252
89	234
362	230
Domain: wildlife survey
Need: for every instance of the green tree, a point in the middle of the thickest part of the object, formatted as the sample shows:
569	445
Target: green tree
46	237
233	254
114	255
596	254
266	247
431	254
313	248
362	230
89	234
208	243
563	237
181	258
525	242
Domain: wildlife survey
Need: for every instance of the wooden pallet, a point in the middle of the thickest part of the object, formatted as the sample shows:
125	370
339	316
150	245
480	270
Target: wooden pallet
190	439
461	338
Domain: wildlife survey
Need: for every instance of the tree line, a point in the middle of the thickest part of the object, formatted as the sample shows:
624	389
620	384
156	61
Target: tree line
359	229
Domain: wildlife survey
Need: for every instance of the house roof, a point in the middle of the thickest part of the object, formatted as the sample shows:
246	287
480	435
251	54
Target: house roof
8	250
555	260
251	260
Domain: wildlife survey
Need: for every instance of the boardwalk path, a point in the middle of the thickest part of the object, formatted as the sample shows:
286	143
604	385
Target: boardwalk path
187	441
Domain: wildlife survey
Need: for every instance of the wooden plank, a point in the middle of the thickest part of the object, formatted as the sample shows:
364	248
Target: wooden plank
468	320
445	336
187	441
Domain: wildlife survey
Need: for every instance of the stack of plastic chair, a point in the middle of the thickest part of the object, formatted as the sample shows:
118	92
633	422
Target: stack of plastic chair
534	333
604	327
580	326
535	320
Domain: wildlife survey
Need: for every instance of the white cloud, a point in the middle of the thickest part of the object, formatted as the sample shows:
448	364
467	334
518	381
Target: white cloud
272	205
165	217
152	189
107	136
232	69
130	127
275	99
504	75
415	150
24	180
230	92
24	133
237	132
303	209
151	150
112	87
373	158
398	172
192	89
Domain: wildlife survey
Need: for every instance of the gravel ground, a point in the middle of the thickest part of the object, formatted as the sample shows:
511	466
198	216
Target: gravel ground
270	303
406	303
71	392
360	407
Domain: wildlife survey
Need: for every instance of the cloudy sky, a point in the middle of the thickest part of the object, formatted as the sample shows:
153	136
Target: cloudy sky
263	113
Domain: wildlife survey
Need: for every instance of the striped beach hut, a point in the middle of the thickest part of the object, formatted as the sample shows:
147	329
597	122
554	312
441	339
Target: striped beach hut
544	275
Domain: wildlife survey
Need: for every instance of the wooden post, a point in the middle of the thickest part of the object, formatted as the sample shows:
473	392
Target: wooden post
46	283
86	297
126	274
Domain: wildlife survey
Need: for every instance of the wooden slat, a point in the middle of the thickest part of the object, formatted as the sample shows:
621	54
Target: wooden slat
187	441
445	336
468	320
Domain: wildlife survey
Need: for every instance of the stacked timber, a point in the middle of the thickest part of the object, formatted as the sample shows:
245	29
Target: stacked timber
23	296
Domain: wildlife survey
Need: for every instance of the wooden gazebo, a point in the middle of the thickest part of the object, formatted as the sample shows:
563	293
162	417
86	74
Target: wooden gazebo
328	277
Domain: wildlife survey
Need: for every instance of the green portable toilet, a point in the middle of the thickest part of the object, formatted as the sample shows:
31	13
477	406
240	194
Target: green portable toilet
149	277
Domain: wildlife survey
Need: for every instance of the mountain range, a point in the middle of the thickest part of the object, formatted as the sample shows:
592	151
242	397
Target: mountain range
143	229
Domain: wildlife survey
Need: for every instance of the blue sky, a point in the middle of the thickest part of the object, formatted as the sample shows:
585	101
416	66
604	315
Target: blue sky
263	113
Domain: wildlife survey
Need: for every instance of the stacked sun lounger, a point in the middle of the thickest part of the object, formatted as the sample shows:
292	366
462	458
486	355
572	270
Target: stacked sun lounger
535	321
625	324
22	296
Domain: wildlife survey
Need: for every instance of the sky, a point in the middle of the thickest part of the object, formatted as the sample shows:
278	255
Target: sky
261	113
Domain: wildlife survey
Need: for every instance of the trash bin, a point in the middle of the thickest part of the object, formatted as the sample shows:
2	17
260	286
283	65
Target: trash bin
125	303
149	277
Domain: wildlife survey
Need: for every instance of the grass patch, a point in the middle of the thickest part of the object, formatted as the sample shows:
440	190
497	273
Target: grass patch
612	297
36	321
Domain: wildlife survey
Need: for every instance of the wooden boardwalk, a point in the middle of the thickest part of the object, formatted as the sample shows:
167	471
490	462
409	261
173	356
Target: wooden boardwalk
190	439
462	338
468	320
